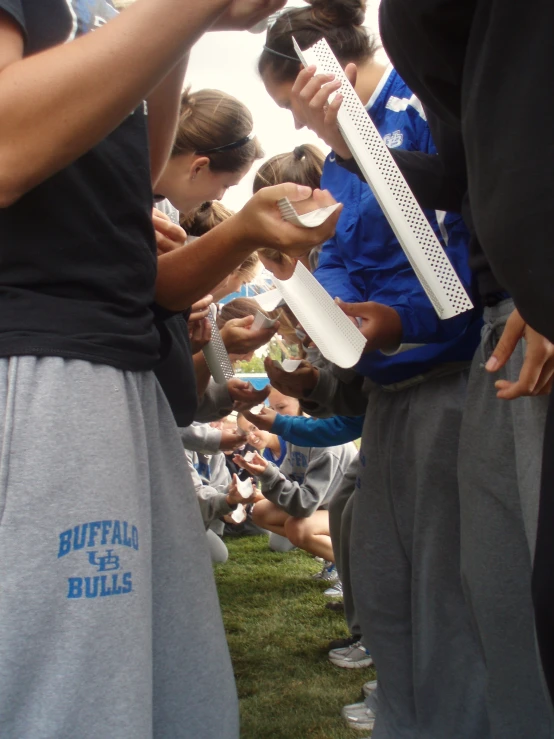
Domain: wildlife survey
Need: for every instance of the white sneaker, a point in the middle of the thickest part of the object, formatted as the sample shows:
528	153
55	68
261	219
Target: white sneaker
369	687
359	716
335	591
352	658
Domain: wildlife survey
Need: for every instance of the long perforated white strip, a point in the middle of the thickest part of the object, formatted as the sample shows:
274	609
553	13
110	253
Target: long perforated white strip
216	355
412	229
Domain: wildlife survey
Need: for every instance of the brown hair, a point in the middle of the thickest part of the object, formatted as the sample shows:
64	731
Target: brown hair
238	308
208	216
211	119
205	217
303	166
338	21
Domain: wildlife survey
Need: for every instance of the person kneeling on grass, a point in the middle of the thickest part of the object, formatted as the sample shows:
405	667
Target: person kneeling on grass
298	493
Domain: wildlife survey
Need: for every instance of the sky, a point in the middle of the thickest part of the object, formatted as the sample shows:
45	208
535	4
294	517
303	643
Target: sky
227	61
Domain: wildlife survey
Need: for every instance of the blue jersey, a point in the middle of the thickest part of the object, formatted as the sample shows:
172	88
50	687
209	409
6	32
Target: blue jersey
364	261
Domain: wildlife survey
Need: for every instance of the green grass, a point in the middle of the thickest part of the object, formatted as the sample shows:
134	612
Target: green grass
278	630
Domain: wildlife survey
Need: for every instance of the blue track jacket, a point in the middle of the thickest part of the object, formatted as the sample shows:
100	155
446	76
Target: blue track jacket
365	262
319	432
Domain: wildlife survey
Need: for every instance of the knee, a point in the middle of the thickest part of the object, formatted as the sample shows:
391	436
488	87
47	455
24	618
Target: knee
296	531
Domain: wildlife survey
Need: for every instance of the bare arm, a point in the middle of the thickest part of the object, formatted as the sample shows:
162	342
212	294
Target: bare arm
163	116
66	89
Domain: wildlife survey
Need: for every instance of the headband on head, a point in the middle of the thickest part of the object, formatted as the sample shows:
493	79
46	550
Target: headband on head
283	56
229	147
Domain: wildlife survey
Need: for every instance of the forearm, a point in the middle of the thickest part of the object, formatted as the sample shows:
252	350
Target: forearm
185	275
201	438
332	397
163	116
81	91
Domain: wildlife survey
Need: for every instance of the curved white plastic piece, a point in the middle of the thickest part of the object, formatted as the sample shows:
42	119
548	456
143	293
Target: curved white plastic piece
313	219
261	321
239	514
328	327
215	353
407	220
245	488
269	300
290	365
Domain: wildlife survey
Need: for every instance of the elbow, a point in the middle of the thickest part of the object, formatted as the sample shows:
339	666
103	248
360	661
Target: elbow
12	186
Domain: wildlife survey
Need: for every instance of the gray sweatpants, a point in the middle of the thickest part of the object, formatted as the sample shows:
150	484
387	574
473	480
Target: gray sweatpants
340	528
499	468
406	565
109	619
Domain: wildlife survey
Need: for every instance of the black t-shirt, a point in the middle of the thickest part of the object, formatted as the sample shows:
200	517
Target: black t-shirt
77	253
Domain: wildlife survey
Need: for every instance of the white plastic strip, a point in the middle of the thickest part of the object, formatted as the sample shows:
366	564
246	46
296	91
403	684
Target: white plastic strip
290	365
245	488
269	300
216	355
407	220
328	327
261	321
313	219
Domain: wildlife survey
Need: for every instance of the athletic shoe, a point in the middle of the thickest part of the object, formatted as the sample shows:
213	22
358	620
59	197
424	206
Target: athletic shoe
328	573
335	591
344	642
352	658
359	716
319	559
369	688
335	605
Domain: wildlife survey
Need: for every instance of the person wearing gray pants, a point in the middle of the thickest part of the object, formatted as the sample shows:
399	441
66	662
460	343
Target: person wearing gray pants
499	478
340	525
405	562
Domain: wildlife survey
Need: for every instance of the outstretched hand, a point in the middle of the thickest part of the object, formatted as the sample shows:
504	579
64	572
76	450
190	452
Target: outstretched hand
537	372
244	395
380	324
264	420
257	466
297	384
239	337
260	224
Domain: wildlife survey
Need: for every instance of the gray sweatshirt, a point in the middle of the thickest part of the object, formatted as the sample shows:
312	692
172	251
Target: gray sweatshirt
307	477
211	480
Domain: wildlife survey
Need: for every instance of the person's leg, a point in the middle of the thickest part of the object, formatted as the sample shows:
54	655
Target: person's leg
218	550
499	468
269	516
340	524
543	571
83	549
188	672
407	584
311	534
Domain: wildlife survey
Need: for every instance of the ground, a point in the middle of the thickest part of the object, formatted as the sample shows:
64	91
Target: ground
278	630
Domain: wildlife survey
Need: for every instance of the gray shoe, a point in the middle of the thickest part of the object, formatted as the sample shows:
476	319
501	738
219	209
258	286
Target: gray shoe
369	688
352	658
328	573
359	716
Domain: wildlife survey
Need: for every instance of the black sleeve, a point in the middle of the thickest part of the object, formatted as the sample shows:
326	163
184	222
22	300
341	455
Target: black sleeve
14	8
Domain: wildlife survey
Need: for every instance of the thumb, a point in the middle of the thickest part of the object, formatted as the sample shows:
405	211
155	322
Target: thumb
511	335
351	309
293	192
245	322
351	72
